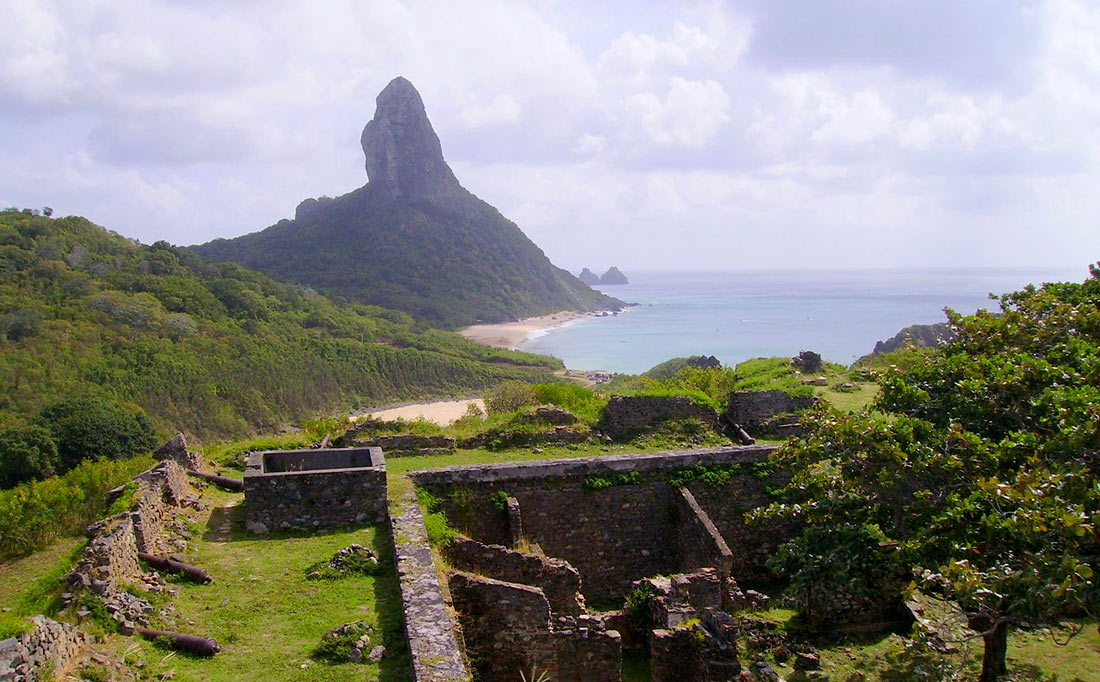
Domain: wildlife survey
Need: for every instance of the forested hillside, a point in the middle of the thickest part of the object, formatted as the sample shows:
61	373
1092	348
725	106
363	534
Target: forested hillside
213	349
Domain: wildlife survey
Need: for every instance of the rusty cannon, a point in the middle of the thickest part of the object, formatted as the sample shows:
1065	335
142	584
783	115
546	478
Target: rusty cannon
224	482
200	646
161	563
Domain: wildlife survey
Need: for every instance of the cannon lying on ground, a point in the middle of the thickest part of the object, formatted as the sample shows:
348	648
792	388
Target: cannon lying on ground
202	646
161	563
232	484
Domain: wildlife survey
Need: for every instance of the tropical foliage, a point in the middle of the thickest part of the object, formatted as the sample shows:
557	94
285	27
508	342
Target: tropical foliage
212	349
978	477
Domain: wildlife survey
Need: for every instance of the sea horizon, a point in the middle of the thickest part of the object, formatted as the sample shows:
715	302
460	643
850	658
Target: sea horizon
736	315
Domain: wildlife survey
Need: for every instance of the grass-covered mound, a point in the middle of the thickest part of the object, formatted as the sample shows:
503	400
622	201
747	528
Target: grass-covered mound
213	349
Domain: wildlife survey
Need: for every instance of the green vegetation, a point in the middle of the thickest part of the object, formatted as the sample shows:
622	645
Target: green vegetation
844	389
268	616
33	584
34	514
211	349
980	487
451	265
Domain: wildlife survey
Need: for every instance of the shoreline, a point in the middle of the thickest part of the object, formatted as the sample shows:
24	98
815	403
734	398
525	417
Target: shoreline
442	412
511	334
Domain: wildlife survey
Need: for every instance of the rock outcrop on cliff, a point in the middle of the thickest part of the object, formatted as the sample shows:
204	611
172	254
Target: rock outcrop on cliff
412	238
613	276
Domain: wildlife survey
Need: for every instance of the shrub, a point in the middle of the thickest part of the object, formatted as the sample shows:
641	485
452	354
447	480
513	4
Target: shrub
587	405
26	453
510	396
89	428
35	513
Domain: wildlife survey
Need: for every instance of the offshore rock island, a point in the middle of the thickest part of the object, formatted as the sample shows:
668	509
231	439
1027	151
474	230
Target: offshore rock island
413	238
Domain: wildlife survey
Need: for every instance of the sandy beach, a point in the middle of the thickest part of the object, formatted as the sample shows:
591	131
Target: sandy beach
441	412
511	334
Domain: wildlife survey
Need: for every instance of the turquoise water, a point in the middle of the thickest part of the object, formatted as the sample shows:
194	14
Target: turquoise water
740	315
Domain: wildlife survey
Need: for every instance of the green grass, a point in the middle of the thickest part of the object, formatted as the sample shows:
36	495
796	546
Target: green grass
885	657
32	584
267	616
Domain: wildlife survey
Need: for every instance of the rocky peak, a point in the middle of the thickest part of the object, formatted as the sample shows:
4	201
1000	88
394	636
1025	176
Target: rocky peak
404	158
588	277
613	276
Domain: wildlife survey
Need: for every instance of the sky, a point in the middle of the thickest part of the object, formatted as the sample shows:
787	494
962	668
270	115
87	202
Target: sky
650	135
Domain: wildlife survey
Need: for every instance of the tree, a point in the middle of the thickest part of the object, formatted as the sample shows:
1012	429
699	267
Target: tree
47	211
90	428
26	453
984	474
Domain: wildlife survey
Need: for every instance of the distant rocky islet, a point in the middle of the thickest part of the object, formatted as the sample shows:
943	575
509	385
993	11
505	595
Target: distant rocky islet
612	276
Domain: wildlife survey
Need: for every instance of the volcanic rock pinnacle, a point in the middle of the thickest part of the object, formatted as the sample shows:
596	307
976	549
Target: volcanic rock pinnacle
404	158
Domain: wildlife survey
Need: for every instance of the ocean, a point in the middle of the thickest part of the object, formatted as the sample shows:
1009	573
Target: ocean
736	316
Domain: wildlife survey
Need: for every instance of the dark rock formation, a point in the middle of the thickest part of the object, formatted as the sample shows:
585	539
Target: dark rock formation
920	335
613	276
412	239
404	157
588	277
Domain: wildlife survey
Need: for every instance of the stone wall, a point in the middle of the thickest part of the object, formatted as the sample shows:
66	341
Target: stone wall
725	506
110	559
429	628
397	445
698	542
49	646
754	409
615	535
161	490
309	489
559	582
175	449
628	415
508	631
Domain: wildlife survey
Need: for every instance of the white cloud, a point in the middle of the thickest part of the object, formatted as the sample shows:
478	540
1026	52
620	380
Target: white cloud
729	125
689	114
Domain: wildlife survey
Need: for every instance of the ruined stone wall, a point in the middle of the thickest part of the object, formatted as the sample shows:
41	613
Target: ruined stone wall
698	542
559	581
50	645
429	628
110	559
401	444
314	489
618	534
627	415
508	631
750	409
725	505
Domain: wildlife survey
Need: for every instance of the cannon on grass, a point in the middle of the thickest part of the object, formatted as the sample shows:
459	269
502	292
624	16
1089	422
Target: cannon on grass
235	485
161	563
200	646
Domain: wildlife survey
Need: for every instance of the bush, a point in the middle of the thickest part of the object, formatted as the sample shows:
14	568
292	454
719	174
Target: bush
510	396
586	404
26	453
88	428
35	513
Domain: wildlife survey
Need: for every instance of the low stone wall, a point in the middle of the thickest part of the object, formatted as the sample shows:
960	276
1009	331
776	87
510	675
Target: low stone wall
110	559
309	489
161	490
429	628
753	409
50	645
628	415
559	581
401	444
508	631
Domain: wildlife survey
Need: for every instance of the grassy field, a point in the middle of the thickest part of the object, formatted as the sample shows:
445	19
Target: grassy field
266	615
32	584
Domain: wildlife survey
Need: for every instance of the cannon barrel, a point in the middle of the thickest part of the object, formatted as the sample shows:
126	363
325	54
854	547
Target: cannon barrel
233	484
195	573
203	646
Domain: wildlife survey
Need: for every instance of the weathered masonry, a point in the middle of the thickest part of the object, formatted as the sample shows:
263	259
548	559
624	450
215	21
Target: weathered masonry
308	489
552	549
